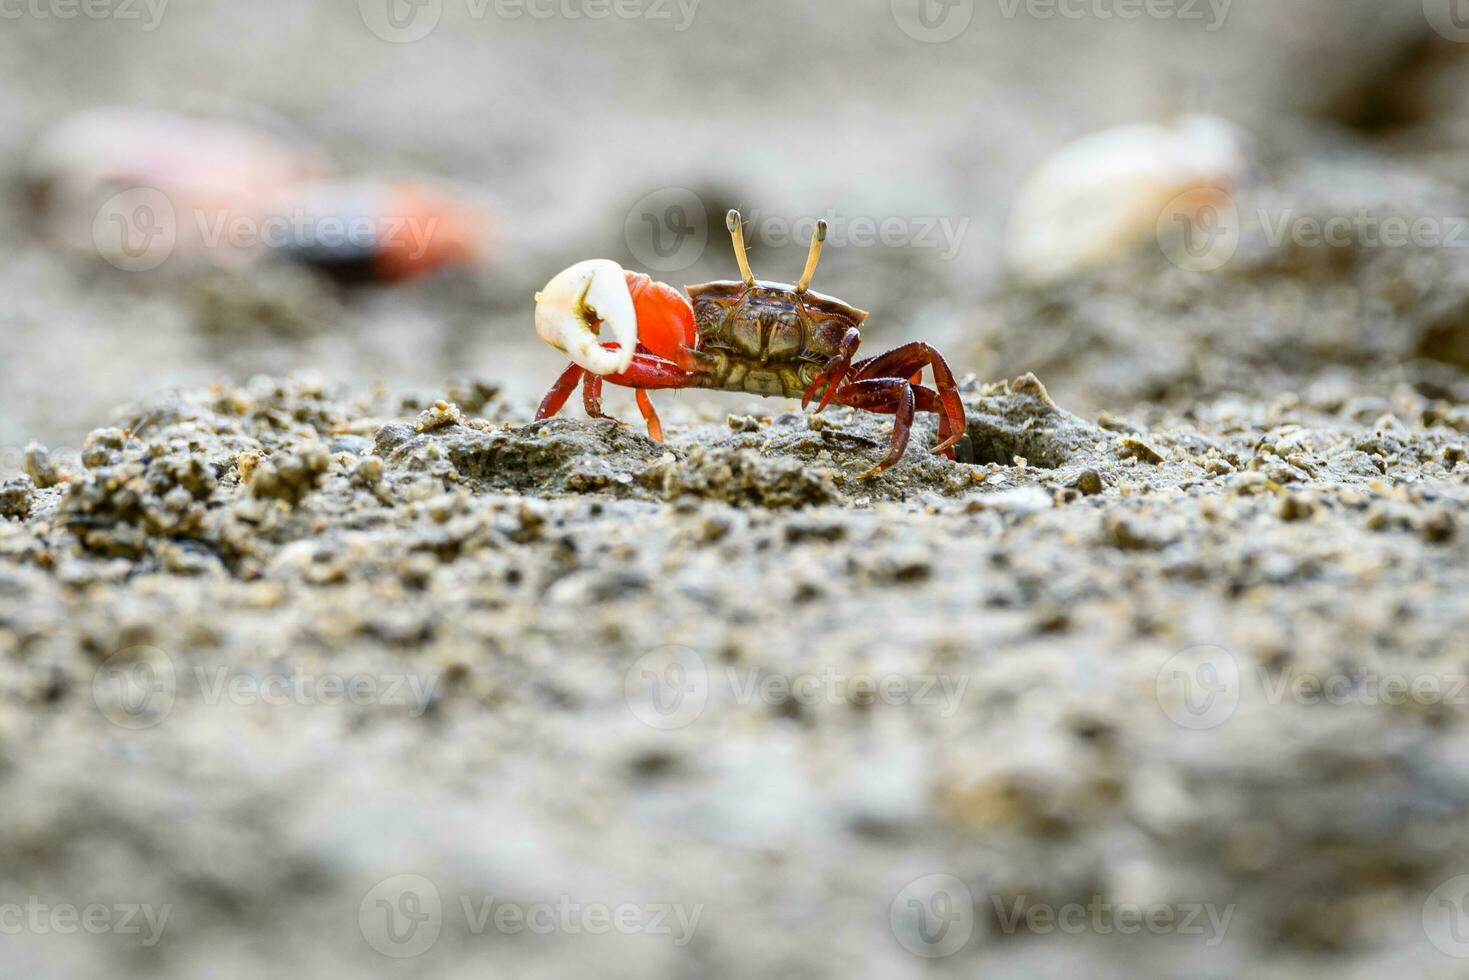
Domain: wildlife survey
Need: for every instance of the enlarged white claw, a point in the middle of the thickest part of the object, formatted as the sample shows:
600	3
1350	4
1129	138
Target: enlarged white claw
583	307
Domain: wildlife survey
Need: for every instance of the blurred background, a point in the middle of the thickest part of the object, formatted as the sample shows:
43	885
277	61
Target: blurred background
580	130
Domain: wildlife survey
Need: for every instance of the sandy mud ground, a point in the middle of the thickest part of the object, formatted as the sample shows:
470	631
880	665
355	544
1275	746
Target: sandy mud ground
274	649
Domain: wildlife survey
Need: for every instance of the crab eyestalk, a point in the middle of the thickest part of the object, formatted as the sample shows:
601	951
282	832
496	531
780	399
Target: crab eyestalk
813	257
736	226
584	307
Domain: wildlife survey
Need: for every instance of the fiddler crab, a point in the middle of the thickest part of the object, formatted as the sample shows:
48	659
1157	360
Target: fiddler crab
764	338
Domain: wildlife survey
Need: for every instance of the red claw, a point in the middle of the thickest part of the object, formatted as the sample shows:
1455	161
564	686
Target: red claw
831	376
834	372
665	318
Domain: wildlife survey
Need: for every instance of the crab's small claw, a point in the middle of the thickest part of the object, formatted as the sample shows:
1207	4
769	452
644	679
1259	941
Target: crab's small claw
585	307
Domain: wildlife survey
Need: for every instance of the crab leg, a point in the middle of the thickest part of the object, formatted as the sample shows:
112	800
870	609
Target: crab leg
946	425
928	401
591	396
652	371
560	391
885	395
910	360
925	400
835	370
650	416
644	371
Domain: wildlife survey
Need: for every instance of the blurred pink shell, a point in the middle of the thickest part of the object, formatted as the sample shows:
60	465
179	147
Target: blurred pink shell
209	171
229	194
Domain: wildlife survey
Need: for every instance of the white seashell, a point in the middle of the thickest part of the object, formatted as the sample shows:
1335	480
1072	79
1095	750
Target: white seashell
1104	193
595	288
